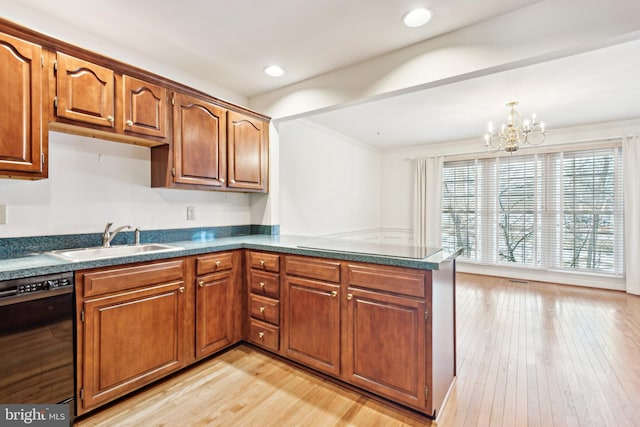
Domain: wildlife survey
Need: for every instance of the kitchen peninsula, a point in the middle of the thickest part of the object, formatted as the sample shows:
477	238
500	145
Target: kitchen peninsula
360	314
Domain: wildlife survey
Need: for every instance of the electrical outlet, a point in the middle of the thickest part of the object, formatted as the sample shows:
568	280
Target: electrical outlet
191	213
3	214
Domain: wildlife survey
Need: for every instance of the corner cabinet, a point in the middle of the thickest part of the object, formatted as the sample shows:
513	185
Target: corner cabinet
23	132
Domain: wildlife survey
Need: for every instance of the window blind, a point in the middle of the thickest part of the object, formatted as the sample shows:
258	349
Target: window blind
555	211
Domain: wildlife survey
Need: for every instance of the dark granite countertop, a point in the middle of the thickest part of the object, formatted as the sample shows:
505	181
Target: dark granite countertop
38	263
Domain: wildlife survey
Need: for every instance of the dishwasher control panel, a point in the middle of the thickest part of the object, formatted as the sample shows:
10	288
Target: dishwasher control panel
35	284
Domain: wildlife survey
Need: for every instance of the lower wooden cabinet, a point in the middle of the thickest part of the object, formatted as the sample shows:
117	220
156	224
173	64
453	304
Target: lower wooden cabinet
312	323
139	322
388	330
216	308
385	351
130	329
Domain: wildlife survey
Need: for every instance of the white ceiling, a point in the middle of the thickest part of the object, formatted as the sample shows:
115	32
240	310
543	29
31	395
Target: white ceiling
232	41
597	86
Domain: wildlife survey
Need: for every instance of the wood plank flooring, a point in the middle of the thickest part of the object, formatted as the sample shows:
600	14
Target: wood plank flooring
528	355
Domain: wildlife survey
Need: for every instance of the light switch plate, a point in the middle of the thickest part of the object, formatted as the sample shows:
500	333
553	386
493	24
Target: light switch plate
3	214
191	213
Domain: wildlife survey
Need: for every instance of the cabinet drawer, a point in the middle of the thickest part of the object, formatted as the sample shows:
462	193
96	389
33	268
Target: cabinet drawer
313	268
264	261
264	334
266	284
214	263
395	280
265	309
118	279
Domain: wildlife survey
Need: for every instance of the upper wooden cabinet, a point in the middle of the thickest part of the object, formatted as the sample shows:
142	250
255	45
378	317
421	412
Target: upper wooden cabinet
213	148
100	102
199	142
145	107
85	92
248	152
23	140
45	84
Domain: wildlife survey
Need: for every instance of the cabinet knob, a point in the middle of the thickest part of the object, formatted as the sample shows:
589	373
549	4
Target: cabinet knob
233	181
201	283
260	334
110	119
349	296
129	123
218	263
261	262
334	294
261	309
262	285
181	289
222	180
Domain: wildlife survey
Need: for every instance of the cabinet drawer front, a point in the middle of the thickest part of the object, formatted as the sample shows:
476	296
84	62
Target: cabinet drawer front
265	309
118	279
266	284
396	280
264	334
213	263
313	268
264	261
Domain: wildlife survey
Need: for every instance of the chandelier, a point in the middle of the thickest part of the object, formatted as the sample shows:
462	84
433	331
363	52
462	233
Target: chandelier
515	132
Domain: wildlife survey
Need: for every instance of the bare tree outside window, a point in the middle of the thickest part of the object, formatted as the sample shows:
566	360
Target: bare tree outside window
561	210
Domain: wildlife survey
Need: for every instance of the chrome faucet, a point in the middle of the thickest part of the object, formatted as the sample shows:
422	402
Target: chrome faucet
108	235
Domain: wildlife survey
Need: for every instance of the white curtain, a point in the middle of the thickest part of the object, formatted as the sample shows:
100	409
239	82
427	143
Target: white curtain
427	201
631	156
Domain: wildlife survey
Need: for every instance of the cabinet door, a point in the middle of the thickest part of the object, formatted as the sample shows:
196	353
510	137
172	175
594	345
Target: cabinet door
214	307
386	346
85	92
21	134
200	145
312	323
145	108
248	152
130	339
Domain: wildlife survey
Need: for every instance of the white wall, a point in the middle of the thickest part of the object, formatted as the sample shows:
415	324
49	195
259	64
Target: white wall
83	193
329	183
92	182
66	31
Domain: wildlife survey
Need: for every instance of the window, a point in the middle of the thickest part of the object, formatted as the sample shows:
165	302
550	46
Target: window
559	210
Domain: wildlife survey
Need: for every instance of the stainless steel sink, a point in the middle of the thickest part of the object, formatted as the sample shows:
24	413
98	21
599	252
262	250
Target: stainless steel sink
99	252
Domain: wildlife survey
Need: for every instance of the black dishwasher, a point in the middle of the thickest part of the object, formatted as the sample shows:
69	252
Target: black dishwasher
36	340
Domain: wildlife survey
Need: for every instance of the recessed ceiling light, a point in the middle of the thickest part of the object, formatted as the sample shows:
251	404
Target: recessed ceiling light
274	71
416	17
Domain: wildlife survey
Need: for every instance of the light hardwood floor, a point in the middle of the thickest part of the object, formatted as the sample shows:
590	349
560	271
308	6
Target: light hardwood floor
528	355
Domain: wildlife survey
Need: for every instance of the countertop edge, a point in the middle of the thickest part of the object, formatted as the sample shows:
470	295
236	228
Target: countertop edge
43	263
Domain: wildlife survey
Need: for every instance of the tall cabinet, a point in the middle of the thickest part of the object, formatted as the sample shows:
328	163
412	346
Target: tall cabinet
23	132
